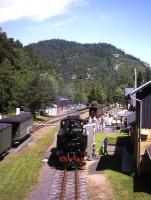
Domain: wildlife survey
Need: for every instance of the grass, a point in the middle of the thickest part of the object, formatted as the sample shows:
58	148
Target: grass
41	118
124	186
20	172
112	138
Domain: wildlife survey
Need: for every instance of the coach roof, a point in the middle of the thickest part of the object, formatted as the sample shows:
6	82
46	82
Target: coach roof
4	125
17	119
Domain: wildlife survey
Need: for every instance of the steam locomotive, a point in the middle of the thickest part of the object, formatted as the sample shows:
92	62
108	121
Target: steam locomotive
96	109
72	142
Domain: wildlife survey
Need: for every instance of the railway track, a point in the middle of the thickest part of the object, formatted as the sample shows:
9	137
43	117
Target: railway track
68	185
50	122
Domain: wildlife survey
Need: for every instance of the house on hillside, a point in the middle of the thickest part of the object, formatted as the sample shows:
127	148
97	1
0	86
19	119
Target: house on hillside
116	67
116	55
141	130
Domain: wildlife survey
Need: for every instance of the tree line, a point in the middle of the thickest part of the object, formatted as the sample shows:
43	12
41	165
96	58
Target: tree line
35	76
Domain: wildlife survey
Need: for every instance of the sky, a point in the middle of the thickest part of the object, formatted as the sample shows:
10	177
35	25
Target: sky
122	23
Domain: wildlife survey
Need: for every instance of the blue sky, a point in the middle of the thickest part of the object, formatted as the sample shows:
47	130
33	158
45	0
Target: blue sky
123	23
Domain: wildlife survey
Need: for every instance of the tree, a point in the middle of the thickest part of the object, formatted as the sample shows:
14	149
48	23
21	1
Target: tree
41	92
139	79
97	93
7	82
148	74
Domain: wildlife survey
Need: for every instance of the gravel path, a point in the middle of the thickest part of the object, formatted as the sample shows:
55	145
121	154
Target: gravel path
99	187
96	183
41	191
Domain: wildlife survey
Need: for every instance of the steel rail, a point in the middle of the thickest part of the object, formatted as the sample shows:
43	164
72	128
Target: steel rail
76	185
63	185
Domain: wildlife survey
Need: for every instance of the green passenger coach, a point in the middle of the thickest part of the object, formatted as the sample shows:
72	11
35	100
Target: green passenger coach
5	137
21	125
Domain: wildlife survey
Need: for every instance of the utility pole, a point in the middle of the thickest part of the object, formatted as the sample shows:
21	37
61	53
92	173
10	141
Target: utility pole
135	74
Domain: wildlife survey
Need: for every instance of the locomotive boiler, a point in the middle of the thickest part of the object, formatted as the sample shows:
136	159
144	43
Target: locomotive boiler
72	142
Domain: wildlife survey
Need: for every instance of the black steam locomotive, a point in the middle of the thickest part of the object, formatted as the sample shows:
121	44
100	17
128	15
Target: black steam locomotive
72	142
96	109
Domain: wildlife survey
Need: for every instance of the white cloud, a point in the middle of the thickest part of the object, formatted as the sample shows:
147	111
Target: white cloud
64	22
37	10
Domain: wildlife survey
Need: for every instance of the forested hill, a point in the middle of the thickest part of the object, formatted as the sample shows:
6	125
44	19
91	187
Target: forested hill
81	59
35	76
101	65
26	80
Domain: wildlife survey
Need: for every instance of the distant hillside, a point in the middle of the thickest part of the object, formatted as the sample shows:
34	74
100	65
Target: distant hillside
111	67
35	76
86	61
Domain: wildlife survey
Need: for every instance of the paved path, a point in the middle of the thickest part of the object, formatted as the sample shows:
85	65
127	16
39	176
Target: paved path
42	189
127	161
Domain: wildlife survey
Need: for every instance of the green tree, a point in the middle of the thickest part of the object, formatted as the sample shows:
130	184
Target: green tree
97	93
41	92
148	74
139	79
7	82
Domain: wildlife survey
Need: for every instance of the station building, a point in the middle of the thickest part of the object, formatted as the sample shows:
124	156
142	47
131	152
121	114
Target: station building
141	129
